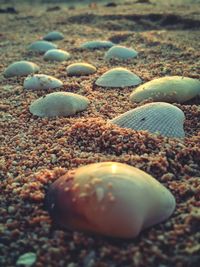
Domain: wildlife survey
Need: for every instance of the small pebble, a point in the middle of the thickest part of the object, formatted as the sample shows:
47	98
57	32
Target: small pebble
56	55
78	69
21	68
41	81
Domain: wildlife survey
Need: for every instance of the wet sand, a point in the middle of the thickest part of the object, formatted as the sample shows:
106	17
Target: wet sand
36	151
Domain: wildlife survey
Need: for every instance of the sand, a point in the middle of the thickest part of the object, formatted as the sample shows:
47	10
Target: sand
36	151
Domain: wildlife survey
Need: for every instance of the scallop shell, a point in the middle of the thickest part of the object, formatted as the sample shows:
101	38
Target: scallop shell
41	46
78	69
109	198
58	104
159	117
21	68
56	55
169	89
97	44
53	36
118	77
120	52
42	81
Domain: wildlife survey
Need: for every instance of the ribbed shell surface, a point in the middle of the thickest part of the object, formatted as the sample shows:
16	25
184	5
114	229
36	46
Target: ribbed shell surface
159	117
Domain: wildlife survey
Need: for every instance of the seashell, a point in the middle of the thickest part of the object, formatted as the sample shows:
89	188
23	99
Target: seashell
118	77
53	36
109	198
21	68
41	81
78	69
169	89
97	44
159	117
41	46
120	52
56	55
58	104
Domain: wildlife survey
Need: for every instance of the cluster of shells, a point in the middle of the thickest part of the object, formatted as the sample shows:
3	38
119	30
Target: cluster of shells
109	198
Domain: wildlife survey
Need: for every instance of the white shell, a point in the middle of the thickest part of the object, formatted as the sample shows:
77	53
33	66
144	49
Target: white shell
109	198
97	44
56	55
41	81
118	77
58	104
79	69
21	68
169	89
53	36
158	117
41	46
120	52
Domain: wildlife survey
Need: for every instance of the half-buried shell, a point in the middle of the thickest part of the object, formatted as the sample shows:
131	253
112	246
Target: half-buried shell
120	52
161	118
21	68
169	89
56	55
41	46
58	104
53	36
42	81
96	44
109	198
78	69
118	77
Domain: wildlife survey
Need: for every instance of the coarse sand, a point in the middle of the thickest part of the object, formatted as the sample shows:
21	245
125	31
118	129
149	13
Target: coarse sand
36	151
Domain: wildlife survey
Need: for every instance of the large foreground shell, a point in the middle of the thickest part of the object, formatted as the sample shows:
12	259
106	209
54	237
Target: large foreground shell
97	44
120	52
118	77
41	46
109	198
58	104
21	68
169	89
41	81
159	117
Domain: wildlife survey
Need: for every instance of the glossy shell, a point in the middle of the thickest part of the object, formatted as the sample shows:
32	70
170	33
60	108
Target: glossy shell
97	44
109	198
78	69
53	36
118	77
120	52
58	104
56	55
21	68
159	117
169	89
41	46
41	81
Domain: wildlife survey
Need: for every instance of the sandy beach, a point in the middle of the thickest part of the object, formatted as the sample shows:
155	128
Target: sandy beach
36	151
